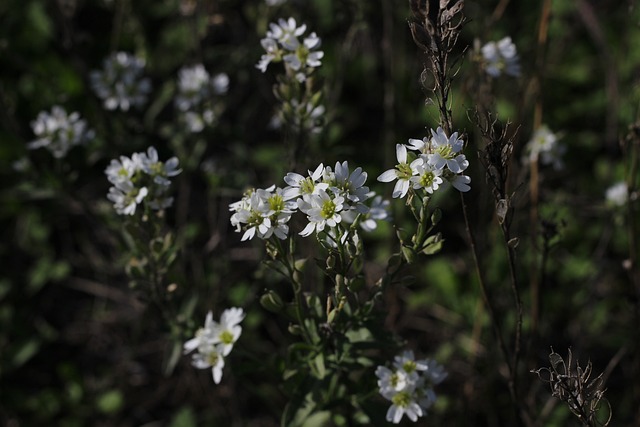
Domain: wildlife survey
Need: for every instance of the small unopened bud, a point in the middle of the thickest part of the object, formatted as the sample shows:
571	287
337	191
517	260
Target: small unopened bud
272	301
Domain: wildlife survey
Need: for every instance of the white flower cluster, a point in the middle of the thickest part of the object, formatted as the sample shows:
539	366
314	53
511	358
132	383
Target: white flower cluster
439	159
58	131
545	147
327	197
196	89
409	386
120	83
501	57
282	45
215	341
141	177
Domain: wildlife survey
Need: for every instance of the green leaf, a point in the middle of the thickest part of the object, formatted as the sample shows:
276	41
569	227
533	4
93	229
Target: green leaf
318	367
318	419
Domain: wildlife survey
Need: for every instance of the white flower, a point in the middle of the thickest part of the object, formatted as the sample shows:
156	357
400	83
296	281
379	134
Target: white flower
434	372
280	210
282	44
263	213
140	177
193	86
545	147
409	386
58	131
273	52
120	83
210	356
391	382
459	182
427	177
220	83
286	33
204	335
227	332
443	151
351	185
300	185
253	211
501	57
122	170
404	402
159	171
618	194
215	341
322	210
403	172
126	197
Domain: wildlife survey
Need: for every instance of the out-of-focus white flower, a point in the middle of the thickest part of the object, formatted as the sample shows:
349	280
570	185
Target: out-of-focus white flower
141	177
194	85
215	341
58	131
501	57
195	99
209	356
126	197
286	32
120	84
409	386
228	330
618	194
275	2
545	148
282	45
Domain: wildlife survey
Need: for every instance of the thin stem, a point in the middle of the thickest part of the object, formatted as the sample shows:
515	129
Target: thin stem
516	297
487	301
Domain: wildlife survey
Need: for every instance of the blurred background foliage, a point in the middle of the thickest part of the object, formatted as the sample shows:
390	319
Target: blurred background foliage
79	346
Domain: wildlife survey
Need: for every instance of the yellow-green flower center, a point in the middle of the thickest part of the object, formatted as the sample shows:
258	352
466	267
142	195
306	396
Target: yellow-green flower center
403	171
328	209
212	358
276	203
226	337
307	186
401	399
446	151
426	180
